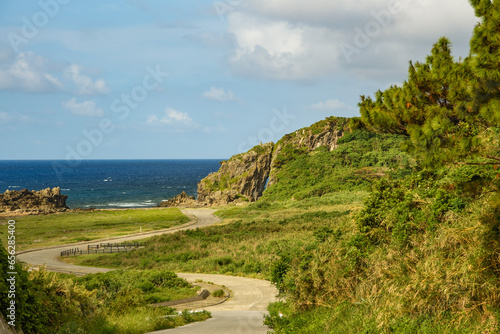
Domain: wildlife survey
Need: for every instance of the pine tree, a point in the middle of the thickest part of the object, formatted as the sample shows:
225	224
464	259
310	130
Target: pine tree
449	110
485	55
425	107
485	64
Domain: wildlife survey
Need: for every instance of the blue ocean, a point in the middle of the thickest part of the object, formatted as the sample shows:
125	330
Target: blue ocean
106	184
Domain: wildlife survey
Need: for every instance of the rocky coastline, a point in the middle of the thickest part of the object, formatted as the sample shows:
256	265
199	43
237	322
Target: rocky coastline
241	179
33	202
183	199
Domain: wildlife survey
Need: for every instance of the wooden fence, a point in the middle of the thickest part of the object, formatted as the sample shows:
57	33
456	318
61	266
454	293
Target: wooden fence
103	248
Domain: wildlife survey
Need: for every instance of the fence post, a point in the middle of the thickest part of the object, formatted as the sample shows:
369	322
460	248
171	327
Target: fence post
106	248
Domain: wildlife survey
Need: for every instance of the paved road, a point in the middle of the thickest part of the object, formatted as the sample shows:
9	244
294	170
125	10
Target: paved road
224	322
241	314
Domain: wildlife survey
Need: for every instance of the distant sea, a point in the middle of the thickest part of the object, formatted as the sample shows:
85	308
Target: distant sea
109	183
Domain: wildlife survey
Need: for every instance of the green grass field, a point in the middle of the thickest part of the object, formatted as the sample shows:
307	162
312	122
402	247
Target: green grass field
247	243
65	228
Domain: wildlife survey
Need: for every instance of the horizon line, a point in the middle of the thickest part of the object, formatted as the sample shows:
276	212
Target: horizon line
115	159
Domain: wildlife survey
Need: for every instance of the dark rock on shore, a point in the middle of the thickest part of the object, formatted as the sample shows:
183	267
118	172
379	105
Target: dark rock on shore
34	202
180	200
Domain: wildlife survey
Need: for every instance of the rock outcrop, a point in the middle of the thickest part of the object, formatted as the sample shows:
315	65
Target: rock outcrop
35	202
242	178
325	133
182	199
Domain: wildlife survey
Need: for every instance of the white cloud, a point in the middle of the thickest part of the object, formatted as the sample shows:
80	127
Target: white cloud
27	72
86	108
345	14
171	117
312	12
281	50
31	73
181	122
85	85
299	40
330	105
219	94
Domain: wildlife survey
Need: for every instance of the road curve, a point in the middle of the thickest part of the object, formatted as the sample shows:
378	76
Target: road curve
48	255
241	314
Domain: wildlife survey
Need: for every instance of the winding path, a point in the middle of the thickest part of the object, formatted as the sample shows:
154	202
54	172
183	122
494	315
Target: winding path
241	314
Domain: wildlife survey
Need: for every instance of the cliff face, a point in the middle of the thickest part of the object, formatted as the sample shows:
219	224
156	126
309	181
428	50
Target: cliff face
245	176
241	178
25	201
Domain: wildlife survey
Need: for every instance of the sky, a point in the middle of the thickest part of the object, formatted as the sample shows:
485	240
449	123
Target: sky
151	79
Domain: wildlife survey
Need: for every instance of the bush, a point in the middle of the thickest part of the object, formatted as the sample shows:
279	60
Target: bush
46	303
218	293
123	290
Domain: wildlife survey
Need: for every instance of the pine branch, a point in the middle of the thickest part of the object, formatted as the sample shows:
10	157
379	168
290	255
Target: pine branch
481	163
492	157
476	163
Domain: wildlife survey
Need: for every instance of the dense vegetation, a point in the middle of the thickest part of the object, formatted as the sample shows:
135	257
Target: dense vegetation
423	252
151	286
361	157
420	254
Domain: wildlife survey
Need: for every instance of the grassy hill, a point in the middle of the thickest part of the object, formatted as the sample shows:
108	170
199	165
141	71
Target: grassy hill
359	158
359	238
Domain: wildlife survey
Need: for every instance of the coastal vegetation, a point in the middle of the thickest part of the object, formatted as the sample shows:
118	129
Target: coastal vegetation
396	230
35	231
247	244
360	158
423	253
111	303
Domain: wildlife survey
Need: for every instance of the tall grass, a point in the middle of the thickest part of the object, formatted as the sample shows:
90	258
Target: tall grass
414	252
349	318
145	320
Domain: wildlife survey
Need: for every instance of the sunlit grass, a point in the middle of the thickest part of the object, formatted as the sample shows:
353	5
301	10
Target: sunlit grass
246	243
65	228
145	320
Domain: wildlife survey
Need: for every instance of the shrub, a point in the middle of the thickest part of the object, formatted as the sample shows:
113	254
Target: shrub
218	293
